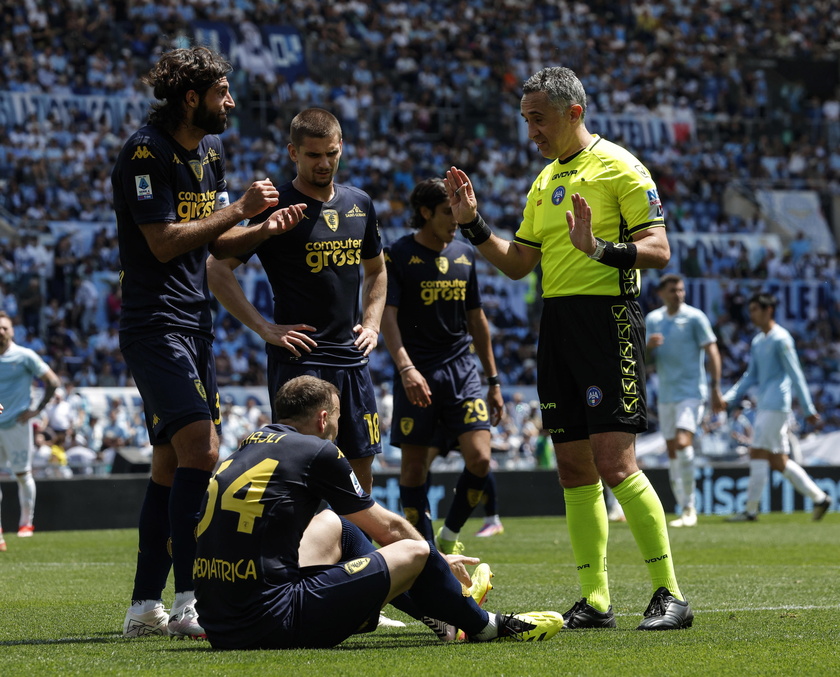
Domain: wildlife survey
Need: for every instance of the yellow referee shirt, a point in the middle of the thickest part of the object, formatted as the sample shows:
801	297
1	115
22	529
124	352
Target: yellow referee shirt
624	200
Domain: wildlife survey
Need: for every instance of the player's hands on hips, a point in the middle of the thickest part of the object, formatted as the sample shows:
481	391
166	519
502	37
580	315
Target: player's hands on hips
462	199
456	565
416	388
283	220
290	337
367	338
580	225
260	196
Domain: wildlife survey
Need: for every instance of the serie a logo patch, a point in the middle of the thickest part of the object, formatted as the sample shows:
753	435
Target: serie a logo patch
143	185
356	565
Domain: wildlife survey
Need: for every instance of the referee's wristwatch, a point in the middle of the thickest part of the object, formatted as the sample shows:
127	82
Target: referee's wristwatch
600	245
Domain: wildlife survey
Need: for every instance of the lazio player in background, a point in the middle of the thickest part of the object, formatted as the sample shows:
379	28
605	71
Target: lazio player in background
432	317
679	338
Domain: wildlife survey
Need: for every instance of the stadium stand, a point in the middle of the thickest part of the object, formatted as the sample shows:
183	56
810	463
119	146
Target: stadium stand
734	108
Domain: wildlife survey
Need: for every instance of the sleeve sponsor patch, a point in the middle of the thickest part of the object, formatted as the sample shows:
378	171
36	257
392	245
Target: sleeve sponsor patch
143	184
356	485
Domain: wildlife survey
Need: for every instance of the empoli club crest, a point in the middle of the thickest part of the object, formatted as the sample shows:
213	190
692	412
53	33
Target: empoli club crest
406	425
331	217
197	169
442	264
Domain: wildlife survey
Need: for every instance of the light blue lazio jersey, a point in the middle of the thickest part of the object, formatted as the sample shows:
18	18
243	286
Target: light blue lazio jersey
774	369
18	366
681	359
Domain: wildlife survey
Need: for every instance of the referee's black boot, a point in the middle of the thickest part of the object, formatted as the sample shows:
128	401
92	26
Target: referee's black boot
582	615
666	612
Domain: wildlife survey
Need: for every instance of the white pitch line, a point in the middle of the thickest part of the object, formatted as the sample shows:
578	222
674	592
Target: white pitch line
806	607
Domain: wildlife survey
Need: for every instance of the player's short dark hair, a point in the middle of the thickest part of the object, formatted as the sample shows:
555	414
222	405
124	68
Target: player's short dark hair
177	72
669	278
302	397
560	84
3	314
765	300
429	193
313	122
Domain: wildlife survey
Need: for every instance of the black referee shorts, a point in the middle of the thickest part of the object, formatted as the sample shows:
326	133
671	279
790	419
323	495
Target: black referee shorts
590	367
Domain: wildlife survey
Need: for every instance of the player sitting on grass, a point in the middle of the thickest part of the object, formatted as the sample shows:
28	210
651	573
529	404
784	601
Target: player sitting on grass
268	576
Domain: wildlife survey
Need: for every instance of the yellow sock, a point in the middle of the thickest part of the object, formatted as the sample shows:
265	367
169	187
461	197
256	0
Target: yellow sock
586	517
646	519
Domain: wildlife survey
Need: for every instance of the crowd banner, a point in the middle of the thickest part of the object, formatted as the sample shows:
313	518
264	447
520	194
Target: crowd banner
643	130
800	301
266	49
18	107
274	49
795	211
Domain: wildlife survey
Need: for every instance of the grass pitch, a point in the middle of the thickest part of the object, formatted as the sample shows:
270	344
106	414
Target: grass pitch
765	596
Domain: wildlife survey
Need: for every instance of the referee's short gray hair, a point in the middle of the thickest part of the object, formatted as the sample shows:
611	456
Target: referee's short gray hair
560	84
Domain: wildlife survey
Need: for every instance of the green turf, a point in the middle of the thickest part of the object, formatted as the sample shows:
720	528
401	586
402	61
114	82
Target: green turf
765	595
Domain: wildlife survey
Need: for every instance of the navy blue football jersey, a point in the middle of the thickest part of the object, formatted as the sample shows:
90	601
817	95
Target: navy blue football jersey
253	516
433	292
156	180
315	271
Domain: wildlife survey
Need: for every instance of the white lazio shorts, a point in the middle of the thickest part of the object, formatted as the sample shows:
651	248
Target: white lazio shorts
770	432
683	415
16	447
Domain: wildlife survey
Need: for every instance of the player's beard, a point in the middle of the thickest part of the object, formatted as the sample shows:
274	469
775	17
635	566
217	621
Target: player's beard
322	181
210	122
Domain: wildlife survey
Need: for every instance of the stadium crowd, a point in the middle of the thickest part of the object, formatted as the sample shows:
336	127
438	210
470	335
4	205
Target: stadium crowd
419	86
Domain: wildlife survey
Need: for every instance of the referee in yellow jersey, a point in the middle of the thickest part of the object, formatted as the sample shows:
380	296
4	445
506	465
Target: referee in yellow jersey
593	219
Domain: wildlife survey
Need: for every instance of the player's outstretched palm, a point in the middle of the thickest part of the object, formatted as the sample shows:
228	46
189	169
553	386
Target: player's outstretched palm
580	224
283	220
462	198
